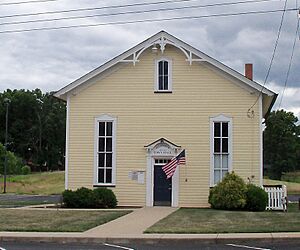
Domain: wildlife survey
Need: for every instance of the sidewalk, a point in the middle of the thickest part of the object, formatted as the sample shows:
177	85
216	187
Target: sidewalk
130	228
134	223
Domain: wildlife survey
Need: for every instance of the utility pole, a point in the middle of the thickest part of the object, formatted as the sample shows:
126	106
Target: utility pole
7	102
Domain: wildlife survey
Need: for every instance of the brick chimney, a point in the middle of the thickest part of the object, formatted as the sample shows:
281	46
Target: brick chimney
249	71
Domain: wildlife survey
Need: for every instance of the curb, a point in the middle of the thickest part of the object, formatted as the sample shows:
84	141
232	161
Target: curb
155	239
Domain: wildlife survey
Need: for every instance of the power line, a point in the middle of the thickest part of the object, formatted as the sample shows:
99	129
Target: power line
25	2
132	12
273	55
147	20
95	8
290	63
123	6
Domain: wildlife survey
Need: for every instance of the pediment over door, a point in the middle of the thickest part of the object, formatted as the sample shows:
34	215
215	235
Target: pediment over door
162	147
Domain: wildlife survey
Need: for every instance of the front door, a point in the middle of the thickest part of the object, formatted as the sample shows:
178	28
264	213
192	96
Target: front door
162	187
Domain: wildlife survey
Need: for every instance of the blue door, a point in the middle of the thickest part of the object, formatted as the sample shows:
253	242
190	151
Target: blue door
162	187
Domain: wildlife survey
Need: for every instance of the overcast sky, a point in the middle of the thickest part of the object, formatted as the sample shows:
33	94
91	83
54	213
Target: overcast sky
51	59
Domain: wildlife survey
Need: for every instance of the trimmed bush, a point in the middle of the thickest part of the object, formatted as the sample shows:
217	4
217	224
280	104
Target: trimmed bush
81	198
87	198
69	199
105	198
25	170
229	194
256	198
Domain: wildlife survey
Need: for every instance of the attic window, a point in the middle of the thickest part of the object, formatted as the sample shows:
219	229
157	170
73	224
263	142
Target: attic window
163	79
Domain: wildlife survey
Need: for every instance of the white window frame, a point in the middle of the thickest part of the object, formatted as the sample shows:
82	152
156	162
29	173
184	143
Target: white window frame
220	118
105	118
156	82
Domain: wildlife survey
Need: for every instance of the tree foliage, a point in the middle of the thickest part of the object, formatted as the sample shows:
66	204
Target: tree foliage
281	143
36	127
14	163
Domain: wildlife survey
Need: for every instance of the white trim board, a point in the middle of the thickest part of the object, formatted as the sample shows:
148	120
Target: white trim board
67	143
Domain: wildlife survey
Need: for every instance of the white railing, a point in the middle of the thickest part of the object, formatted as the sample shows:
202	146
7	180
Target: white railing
277	197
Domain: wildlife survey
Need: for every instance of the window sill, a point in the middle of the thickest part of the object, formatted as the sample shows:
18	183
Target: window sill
163	91
104	185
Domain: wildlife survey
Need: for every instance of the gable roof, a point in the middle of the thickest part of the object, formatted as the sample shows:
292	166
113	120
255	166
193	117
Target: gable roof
192	55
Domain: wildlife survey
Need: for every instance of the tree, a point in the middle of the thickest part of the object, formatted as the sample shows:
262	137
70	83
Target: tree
36	126
14	163
281	143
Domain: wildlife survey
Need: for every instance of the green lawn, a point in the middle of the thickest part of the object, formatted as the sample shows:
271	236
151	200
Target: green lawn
291	176
54	220
38	183
292	187
201	220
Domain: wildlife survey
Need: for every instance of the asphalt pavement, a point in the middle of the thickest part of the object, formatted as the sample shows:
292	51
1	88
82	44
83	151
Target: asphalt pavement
30	198
174	245
294	197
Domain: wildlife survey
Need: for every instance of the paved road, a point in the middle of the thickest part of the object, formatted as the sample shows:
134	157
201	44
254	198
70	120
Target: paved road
30	198
294	197
174	245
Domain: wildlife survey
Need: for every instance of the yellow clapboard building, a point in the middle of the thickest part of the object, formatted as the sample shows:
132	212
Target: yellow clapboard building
127	118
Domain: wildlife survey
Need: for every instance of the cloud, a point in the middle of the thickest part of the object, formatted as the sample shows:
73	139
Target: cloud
51	59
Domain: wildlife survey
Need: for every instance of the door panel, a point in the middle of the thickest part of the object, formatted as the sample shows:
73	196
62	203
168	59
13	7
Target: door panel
162	187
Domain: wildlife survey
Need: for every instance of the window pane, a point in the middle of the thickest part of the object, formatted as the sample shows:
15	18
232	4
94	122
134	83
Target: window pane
224	129
225	145
101	160
109	160
101	128
108	175
224	161
165	68
217	161
165	82
108	144
217	130
217	145
109	128
101	144
160	82
217	176
101	175
160	68
224	172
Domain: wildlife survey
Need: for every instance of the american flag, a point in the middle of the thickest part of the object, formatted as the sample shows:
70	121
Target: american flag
170	167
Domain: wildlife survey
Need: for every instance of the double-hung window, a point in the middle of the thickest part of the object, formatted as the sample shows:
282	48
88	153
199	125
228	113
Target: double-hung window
105	150
163	82
221	154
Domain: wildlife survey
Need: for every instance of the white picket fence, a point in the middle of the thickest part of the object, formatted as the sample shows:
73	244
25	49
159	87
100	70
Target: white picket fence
277	197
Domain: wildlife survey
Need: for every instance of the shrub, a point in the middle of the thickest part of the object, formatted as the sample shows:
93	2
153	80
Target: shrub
105	198
229	194
87	198
81	198
256	198
69	199
25	170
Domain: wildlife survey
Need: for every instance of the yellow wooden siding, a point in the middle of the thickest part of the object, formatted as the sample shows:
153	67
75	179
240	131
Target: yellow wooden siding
143	116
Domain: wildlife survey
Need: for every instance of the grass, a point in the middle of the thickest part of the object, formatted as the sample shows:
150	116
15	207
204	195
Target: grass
202	220
292	187
291	176
54	220
38	183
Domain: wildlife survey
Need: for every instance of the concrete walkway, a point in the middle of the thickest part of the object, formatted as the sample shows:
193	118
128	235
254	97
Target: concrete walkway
134	223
